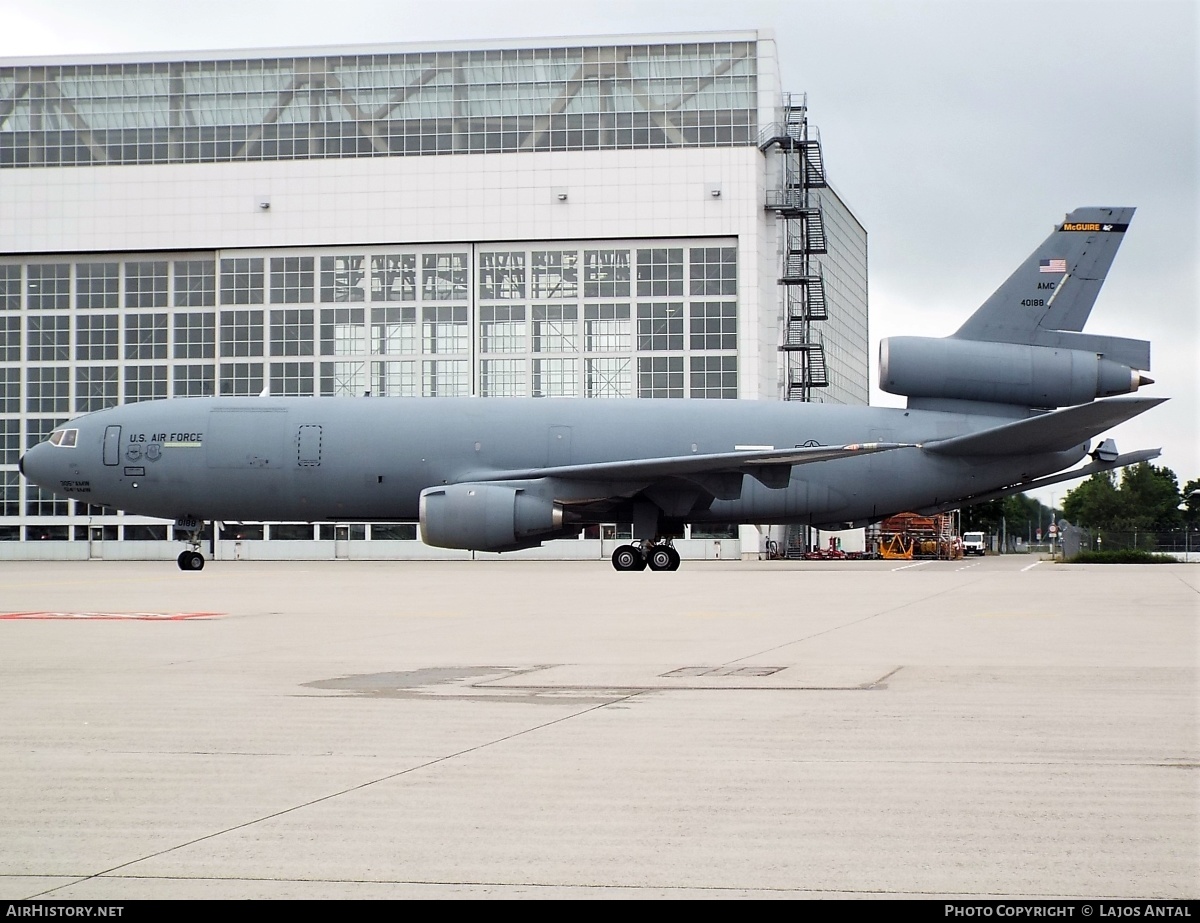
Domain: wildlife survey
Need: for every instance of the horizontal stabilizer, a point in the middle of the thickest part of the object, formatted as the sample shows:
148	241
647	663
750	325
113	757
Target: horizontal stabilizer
1121	461
1050	432
651	469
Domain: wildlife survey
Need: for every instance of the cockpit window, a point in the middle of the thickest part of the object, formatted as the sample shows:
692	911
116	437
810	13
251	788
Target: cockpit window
64	438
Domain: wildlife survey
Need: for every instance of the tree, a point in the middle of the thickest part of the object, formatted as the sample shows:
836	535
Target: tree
1147	500
1095	504
1150	497
1191	496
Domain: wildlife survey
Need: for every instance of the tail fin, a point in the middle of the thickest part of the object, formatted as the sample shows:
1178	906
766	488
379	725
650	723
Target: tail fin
1048	299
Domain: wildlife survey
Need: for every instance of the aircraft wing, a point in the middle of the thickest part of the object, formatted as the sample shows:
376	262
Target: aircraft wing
1049	432
764	464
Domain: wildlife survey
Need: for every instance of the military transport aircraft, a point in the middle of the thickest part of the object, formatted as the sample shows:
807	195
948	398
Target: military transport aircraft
1002	405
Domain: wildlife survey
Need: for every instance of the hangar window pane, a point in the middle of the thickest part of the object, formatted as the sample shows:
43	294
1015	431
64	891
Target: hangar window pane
607	328
394	379
502	378
96	285
10	339
145	336
195	380
444	277
554	328
291	279
343	331
96	337
10	442
501	275
10	390
714	377
555	378
445	330
660	327
608	377
342	279
145	383
660	272
393	331
48	286
195	335
606	274
555	274
146	284
48	337
502	329
47	390
241	378
242	281
10	287
95	387
292	379
445	378
9	504
713	270
241	333
714	325
292	332
341	379
393	278
660	376
195	283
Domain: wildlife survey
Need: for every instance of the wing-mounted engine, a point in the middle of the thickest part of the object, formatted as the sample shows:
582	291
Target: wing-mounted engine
1001	373
488	517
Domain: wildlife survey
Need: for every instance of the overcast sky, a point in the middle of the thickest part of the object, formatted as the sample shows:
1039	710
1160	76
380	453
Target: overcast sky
959	131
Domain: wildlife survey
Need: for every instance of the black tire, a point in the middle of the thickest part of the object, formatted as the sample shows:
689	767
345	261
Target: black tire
626	557
674	559
182	560
195	560
659	557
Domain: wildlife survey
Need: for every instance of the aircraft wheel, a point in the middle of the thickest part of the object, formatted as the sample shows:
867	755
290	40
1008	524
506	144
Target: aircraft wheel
660	557
191	560
674	558
626	557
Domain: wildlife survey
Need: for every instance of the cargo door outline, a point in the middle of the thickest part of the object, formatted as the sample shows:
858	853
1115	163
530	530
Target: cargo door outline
112	446
308	445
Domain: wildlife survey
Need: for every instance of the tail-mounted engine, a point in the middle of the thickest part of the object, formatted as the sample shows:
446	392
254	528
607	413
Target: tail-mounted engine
1005	373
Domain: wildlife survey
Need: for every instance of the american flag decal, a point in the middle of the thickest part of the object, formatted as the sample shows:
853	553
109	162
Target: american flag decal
1052	266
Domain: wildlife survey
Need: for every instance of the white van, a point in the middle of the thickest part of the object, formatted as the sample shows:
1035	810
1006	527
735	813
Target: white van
973	543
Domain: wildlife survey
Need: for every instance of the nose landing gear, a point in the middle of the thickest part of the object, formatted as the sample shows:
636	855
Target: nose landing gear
191	559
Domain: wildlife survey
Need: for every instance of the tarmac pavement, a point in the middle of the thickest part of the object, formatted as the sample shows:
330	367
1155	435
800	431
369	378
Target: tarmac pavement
995	728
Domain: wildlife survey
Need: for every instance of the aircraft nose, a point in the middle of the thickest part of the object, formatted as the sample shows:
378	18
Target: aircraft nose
34	465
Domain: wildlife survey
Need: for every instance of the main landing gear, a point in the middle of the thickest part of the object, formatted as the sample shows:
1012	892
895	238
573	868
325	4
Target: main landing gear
642	554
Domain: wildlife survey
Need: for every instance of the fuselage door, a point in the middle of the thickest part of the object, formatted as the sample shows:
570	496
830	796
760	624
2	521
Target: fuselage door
112	445
308	446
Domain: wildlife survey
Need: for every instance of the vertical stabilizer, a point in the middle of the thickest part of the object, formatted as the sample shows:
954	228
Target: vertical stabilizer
1055	288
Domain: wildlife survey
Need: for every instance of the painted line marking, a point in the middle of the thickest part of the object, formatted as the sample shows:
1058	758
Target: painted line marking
1030	566
907	566
114	616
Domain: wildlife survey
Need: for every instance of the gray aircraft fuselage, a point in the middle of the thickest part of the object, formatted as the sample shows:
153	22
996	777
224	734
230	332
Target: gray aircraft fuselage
354	459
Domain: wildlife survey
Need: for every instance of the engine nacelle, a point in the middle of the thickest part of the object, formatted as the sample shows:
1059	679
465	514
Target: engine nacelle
1004	373
487	517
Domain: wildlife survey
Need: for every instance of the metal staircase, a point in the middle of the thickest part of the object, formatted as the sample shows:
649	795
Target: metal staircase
801	281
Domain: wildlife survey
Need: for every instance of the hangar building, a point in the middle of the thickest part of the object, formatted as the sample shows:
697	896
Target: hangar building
609	217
